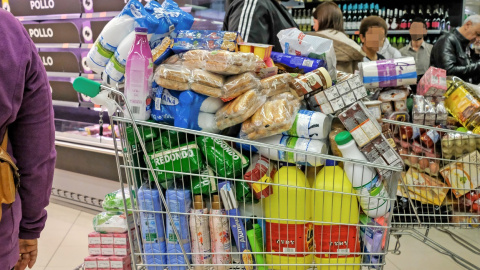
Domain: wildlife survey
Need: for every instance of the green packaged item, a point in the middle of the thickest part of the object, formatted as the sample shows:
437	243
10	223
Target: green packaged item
146	133
204	184
186	158
243	192
171	138
114	201
222	158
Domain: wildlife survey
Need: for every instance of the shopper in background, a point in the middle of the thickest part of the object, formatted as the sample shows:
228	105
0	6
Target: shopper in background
451	51
258	21
328	20
418	48
26	111
373	32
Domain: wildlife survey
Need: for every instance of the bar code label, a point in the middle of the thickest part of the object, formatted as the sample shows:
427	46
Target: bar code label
307	63
390	156
288	249
135	110
336	241
344	251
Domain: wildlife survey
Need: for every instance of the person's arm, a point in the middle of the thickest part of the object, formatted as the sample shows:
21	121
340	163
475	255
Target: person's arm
32	137
448	57
251	19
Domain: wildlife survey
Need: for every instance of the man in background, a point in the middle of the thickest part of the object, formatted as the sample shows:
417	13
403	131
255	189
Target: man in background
451	51
418	48
258	21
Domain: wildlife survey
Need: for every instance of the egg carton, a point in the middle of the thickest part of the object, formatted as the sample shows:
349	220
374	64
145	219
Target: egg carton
457	145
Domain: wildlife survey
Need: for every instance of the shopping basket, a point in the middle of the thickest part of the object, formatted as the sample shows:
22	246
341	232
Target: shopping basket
441	186
265	213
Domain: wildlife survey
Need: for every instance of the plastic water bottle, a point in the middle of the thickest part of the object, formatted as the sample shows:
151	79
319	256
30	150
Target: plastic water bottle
138	75
367	184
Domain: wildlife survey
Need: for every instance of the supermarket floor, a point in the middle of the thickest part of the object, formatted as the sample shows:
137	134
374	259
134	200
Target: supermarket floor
63	244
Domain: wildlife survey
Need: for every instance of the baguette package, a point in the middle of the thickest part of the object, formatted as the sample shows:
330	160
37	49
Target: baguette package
276	84
175	77
274	117
239	84
207	83
240	109
319	79
220	62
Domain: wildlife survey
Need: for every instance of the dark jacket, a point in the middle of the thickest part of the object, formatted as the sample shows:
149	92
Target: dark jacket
450	54
258	21
26	109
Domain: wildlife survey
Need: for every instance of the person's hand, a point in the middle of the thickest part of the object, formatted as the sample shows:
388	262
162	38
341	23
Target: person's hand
28	254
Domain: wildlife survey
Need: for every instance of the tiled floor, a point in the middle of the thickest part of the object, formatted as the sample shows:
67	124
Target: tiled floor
63	245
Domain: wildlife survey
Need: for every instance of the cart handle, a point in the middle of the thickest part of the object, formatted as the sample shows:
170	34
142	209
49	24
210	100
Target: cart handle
86	86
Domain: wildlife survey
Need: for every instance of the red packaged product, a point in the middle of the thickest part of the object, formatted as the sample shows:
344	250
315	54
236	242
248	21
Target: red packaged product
261	171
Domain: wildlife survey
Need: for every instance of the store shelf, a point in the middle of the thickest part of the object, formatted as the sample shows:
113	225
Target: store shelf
49	17
57	45
396	32
106	14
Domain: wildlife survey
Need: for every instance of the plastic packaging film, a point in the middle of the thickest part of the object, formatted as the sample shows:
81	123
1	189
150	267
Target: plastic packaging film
274	117
200	233
276	84
239	84
239	109
388	73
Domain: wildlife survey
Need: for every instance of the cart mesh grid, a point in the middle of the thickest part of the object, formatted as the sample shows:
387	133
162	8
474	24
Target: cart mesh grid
300	224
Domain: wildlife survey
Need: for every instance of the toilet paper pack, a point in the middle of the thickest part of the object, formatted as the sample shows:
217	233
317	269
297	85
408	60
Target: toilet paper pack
389	73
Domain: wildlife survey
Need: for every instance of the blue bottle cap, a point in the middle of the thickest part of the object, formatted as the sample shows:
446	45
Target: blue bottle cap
330	162
141	30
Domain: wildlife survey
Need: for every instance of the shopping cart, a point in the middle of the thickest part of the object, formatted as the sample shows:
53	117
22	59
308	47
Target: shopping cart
304	222
440	188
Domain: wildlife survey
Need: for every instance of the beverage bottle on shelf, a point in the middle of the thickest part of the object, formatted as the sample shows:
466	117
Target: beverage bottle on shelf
365	11
404	21
344	11
428	40
377	9
334	204
295	16
434	40
139	76
387	19
354	17
349	17
365	180
428	18
447	21
282	234
442	19
420	12
312	23
435	19
305	20
411	17
394	25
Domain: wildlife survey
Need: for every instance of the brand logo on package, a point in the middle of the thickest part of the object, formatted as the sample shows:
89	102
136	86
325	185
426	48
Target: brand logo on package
44	7
53	32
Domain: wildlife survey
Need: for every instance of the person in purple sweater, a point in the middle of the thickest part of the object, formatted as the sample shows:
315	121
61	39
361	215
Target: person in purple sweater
26	110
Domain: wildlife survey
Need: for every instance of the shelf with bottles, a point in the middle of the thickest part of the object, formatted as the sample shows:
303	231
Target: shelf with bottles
436	16
396	32
400	41
304	18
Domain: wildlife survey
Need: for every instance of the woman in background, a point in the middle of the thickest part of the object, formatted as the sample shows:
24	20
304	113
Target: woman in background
328	20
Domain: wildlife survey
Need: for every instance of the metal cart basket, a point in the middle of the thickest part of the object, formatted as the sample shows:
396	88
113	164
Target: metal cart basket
207	201
439	187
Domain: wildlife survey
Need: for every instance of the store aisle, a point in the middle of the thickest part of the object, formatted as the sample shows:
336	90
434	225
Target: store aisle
63	244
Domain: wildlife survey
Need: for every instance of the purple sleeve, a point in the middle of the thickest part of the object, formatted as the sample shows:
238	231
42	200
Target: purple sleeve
33	143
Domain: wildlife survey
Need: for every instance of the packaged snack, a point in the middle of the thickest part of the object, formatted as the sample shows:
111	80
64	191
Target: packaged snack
230	63
114	201
275	116
433	82
397	97
318	79
110	222
339	96
172	84
161	52
463	174
239	84
225	160
360	123
261	171
389	73
239	109
375	108
210	34
379	151
287	63
207	78
295	42
276	84
176	73
461	101
428	189
185	44
418	111
185	158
